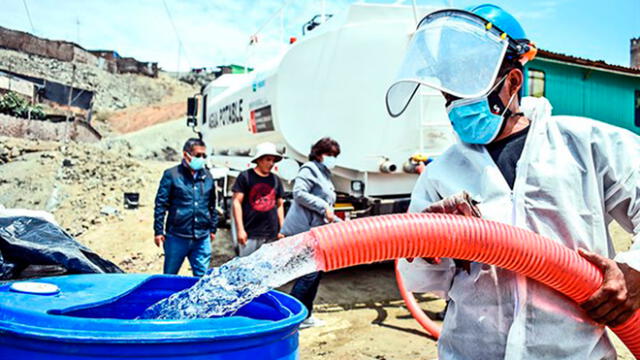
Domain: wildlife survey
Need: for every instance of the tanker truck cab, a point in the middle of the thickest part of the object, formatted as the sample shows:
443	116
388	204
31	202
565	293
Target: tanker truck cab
331	82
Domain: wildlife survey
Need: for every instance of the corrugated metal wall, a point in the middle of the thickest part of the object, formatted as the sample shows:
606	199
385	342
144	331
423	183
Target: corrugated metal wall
600	95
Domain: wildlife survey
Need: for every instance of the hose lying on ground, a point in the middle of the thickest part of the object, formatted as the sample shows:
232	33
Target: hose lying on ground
397	236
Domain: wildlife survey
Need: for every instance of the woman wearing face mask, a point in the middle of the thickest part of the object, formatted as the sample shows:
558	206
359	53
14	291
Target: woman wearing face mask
313	200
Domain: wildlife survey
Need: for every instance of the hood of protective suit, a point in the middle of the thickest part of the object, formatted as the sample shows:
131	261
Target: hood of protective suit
535	108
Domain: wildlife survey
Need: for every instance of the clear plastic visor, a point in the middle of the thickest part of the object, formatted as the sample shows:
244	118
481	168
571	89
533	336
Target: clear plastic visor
451	51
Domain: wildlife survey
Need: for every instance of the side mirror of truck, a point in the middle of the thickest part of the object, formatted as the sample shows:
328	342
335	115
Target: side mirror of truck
192	111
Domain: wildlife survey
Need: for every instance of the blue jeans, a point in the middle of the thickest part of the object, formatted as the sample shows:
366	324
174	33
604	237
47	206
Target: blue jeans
177	248
306	288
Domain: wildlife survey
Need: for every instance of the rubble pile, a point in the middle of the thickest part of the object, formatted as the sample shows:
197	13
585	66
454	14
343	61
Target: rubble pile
12	148
82	184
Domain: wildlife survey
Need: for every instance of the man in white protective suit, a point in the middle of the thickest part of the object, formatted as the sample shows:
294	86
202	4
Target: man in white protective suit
563	177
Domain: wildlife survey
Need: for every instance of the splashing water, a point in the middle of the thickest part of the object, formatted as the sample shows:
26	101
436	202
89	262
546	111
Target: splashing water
225	289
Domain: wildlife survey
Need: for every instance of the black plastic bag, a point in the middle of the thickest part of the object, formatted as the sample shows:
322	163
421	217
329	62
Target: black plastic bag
28	241
7	269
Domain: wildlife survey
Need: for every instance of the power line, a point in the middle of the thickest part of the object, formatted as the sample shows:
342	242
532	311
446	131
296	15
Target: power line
175	30
26	8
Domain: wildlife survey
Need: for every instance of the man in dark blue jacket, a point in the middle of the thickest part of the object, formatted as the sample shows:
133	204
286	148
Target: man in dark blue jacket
187	193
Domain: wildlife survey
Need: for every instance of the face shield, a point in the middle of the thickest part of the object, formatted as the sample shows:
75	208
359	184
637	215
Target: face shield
452	51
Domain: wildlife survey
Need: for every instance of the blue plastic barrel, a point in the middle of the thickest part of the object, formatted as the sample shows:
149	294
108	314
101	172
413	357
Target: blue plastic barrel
93	316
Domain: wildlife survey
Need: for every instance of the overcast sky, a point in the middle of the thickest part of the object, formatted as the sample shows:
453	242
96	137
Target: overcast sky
214	32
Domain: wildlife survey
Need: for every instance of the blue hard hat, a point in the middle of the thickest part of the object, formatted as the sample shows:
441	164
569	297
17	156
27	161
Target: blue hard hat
500	18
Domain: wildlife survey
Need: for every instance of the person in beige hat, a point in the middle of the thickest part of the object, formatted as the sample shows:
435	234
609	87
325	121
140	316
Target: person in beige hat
258	201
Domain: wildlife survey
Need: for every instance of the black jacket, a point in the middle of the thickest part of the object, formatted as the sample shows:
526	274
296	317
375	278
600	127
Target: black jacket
189	200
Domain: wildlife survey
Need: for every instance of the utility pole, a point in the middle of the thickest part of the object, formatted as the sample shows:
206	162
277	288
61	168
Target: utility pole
66	122
414	6
178	63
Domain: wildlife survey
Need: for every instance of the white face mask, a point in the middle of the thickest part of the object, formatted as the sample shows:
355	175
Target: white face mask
329	161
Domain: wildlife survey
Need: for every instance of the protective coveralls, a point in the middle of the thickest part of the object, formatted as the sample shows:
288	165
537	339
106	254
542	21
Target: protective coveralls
574	176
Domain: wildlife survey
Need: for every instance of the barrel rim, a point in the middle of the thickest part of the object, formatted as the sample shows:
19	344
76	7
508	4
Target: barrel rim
88	330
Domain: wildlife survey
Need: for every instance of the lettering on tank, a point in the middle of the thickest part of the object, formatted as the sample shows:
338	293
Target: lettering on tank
227	114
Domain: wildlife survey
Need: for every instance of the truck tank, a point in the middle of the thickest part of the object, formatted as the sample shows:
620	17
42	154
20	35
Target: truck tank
332	82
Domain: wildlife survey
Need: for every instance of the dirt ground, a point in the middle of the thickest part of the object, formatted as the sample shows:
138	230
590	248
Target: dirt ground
130	120
172	106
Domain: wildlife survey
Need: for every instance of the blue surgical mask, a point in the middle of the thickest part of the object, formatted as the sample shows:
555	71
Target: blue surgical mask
329	161
196	163
473	120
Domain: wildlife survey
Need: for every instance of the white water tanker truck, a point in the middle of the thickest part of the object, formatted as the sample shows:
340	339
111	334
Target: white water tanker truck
332	82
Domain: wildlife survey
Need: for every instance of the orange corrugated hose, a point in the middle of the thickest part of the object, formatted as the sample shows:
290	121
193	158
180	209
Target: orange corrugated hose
397	236
432	328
